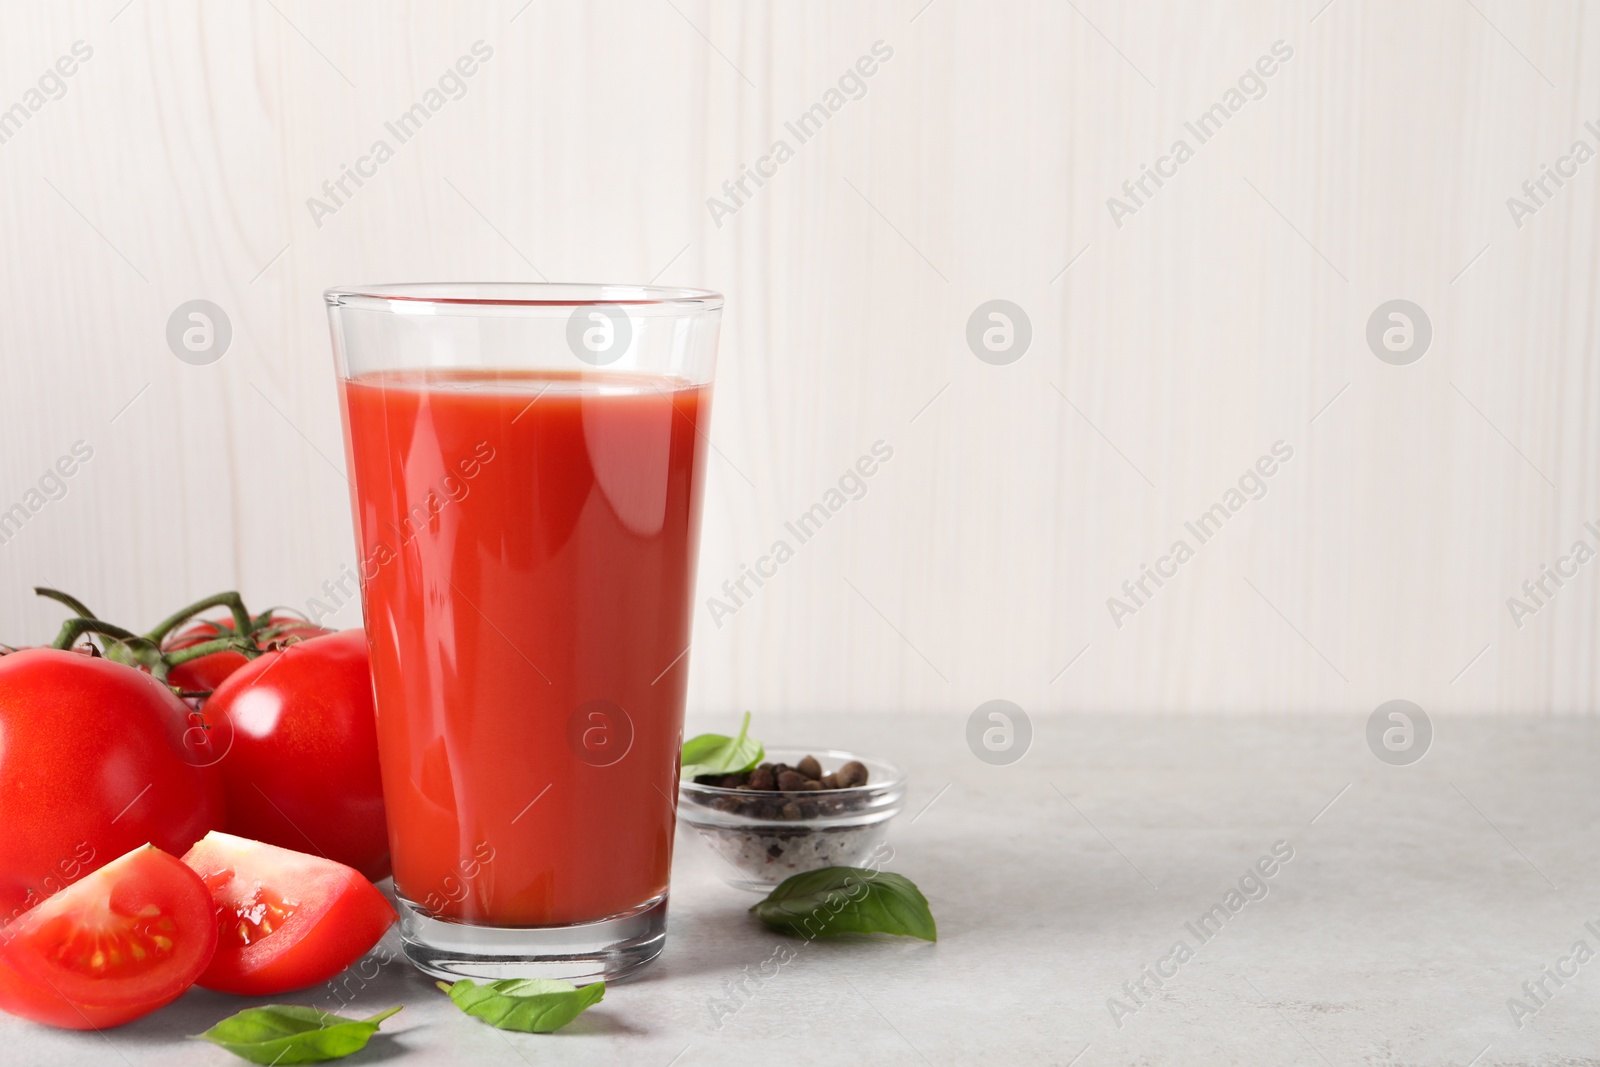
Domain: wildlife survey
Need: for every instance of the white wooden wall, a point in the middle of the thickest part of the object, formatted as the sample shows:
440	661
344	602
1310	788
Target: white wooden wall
1227	314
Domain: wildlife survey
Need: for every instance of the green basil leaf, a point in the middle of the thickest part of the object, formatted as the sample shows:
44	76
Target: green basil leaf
716	754
847	900
531	1005
286	1034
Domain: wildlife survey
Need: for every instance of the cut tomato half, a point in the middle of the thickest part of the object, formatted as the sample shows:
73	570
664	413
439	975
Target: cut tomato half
284	920
115	945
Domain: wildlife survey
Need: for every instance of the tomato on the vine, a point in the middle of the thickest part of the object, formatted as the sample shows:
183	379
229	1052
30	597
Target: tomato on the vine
208	672
119	944
302	769
285	920
96	759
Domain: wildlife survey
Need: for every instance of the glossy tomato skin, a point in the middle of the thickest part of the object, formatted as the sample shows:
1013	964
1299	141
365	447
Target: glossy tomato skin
125	940
96	759
208	672
302	770
286	920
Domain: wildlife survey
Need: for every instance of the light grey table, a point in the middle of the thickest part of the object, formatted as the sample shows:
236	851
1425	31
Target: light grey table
1418	901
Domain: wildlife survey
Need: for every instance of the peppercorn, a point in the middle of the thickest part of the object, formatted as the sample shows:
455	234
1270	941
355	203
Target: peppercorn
852	774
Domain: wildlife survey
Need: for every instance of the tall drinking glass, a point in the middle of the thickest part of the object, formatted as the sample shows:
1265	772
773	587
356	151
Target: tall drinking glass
526	468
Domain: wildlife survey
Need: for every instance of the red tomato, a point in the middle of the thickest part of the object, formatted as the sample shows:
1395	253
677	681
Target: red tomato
285	920
119	944
302	771
95	760
207	672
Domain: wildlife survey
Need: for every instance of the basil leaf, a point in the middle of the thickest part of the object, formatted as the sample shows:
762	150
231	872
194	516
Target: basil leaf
716	754
531	1005
847	900
287	1033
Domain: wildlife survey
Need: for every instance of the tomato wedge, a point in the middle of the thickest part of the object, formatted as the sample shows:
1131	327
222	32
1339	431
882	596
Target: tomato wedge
285	920
115	945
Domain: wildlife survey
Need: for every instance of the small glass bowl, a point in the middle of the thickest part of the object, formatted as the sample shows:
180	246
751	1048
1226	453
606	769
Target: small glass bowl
764	836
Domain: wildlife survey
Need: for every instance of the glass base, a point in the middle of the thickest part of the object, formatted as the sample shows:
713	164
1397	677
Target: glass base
609	949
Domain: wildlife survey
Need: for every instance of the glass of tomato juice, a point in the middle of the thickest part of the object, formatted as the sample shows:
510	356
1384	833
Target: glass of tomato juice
526	465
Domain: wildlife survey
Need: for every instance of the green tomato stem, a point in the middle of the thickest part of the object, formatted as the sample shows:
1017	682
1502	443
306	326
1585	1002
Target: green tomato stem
73	629
68	599
243	624
207	648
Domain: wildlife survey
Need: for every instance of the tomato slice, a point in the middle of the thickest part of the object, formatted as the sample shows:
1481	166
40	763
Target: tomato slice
285	920
115	945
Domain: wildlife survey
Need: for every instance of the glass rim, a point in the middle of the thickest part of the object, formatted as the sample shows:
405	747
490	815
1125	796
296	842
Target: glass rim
420	296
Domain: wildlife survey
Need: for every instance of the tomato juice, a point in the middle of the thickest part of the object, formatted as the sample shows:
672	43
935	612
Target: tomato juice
528	544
